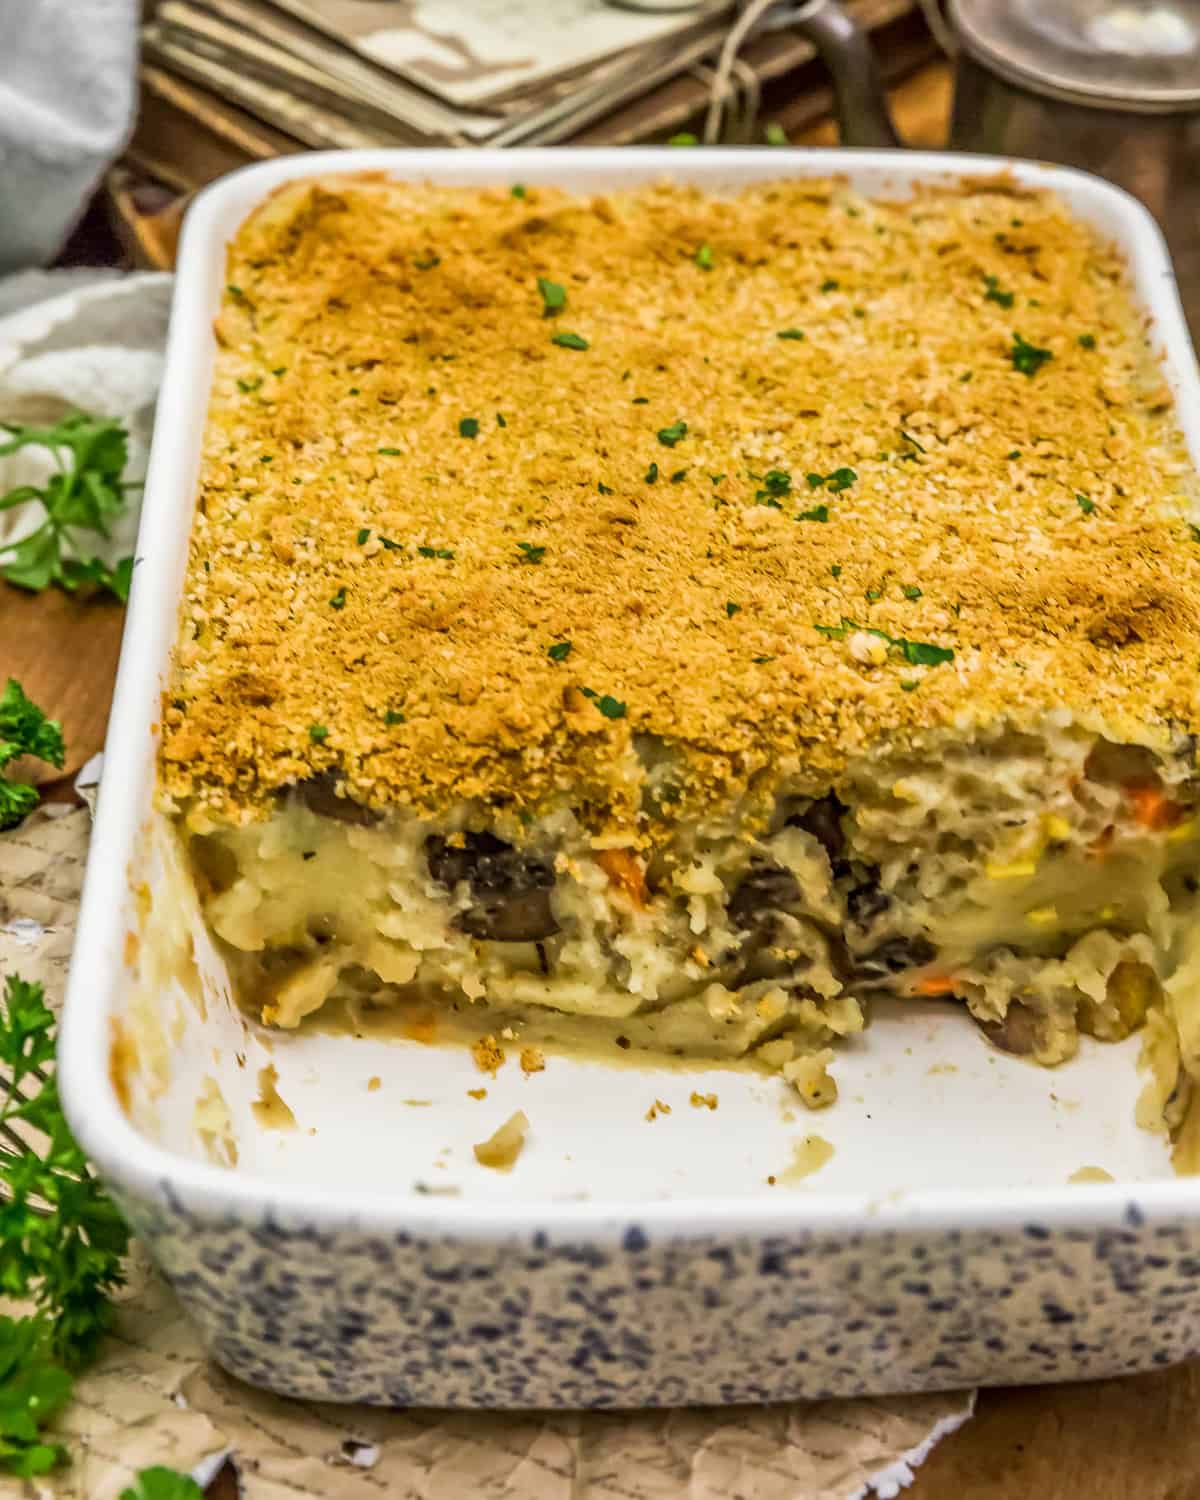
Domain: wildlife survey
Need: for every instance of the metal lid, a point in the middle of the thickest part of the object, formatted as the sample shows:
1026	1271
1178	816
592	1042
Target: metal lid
1127	54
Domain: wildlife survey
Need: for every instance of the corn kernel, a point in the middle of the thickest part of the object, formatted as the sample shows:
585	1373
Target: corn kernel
1056	827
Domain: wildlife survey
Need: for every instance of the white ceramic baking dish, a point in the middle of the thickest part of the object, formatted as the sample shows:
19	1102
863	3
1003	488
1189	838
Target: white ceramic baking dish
365	1255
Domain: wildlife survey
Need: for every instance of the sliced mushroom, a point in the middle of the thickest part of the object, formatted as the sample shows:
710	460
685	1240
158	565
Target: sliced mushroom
1016	1033
765	889
823	819
893	957
320	795
510	889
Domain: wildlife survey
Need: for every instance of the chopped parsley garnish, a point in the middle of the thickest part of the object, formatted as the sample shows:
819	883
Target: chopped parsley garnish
840	479
652	474
1015	454
605	489
873	595
339	600
704	257
530	553
611	708
829	284
684	138
641	401
909	687
318	733
1195	530
559	651
790	333
446	553
669	436
994	294
554	297
817	513
247	386
1086	340
678	476
428	262
775	134
500	422
761	661
364	535
394	716
570	341
776	484
836	570
908	438
1085	505
391	452
910	591
468	427
517	190
1028	358
391	546
235	291
267	458
916	653
731	608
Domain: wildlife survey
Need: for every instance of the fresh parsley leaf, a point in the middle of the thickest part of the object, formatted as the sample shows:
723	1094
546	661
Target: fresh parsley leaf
468	427
611	708
500	422
318	733
651	475
235	291
704	257
390	452
873	595
775	134
922	653
669	436
829	284
570	341
559	651
86	493
390	546
684	138
554	297
427	262
908	438
364	535
817	513
394	716
791	333
1028	358
24	730
445	553
777	482
517	190
1195	530
836	570
761	661
1086	340
731	608
530	553
604	489
1085	505
34	1387
339	600
160	1483
679	476
62	1237
994	293
910	591
838	480
909	687
248	387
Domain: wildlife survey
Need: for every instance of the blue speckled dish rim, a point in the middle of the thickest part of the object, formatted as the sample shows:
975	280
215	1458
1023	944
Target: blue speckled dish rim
145	1171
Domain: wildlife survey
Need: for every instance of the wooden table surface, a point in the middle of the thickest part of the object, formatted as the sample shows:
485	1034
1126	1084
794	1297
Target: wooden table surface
1133	1439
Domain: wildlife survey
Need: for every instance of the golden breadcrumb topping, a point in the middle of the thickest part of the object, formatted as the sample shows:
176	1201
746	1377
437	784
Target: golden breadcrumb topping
496	481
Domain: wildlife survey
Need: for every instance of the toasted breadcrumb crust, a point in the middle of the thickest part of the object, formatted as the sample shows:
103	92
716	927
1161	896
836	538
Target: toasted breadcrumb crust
410	493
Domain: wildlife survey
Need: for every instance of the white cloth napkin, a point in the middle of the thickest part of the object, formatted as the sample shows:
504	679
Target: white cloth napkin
67	87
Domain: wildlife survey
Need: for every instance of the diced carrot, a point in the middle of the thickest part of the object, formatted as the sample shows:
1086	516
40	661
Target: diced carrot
624	872
934	984
1152	808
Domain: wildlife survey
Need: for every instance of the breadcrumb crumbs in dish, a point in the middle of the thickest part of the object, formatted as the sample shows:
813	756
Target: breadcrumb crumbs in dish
693	612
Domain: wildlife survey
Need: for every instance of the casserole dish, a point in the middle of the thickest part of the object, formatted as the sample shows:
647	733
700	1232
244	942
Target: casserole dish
314	1197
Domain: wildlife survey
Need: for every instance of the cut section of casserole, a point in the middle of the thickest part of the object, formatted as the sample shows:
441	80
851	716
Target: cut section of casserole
697	614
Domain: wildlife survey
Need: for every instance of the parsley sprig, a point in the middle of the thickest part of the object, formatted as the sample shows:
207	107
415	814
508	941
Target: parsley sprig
85	494
916	653
24	730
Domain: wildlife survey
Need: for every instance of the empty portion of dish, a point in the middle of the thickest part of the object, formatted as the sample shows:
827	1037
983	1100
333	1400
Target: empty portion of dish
694	614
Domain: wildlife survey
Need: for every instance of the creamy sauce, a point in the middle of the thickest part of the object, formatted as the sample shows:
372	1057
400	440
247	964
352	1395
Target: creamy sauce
809	1155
